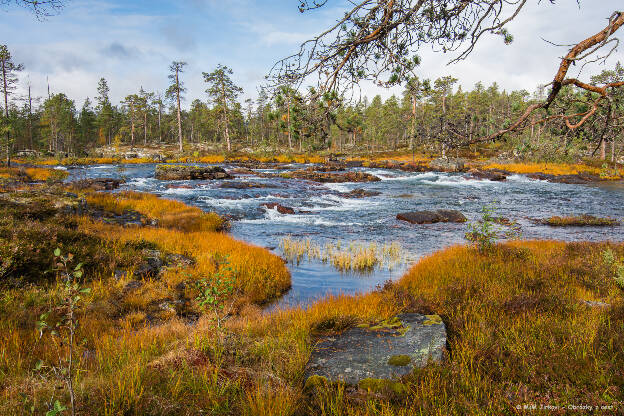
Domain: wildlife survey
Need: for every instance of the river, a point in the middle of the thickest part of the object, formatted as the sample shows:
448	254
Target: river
331	217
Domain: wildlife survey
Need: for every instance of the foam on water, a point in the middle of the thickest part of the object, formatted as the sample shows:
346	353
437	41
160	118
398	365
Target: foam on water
272	216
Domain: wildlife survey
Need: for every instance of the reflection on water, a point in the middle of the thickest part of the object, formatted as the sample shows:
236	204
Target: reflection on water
323	214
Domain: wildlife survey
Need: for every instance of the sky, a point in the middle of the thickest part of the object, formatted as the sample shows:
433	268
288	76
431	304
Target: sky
132	43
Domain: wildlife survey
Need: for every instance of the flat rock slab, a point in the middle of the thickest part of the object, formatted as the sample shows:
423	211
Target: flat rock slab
431	217
389	350
183	172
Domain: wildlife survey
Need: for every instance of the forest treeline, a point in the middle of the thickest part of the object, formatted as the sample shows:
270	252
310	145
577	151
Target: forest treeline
436	115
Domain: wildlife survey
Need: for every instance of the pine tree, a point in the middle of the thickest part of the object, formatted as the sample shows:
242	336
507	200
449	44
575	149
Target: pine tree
8	80
223	93
175	91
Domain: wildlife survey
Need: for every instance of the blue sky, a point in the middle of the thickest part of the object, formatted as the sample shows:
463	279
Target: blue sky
131	43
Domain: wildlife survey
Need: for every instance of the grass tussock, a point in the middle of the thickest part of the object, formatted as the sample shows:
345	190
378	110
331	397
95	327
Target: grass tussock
580	221
549	168
167	213
345	257
32	174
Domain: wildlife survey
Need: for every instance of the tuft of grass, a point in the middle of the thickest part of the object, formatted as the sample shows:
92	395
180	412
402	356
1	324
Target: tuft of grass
354	256
167	213
580	220
33	174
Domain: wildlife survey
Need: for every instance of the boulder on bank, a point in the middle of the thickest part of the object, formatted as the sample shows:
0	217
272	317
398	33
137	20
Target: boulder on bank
278	207
447	164
183	172
376	353
431	217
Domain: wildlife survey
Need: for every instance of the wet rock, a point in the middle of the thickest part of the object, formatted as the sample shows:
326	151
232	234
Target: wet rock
381	352
353	163
491	175
329	167
326	177
174	186
577	179
447	164
180	172
280	208
241	171
241	185
360	193
431	217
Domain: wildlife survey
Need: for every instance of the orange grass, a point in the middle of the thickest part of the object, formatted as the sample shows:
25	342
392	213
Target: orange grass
548	168
518	332
168	213
32	174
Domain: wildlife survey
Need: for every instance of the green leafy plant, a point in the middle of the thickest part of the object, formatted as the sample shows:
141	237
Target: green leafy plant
485	232
215	290
617	265
62	333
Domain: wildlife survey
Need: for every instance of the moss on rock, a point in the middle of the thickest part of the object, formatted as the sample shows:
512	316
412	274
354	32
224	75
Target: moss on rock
400	360
376	385
432	320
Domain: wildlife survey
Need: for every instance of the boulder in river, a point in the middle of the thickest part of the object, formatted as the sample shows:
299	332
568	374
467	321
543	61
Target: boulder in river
491	175
240	185
431	217
278	207
326	177
360	193
371	354
183	172
447	164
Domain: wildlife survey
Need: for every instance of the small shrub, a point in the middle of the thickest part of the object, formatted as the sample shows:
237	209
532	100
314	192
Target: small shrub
484	233
616	264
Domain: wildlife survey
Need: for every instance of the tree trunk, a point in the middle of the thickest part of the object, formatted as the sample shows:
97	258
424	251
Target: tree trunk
145	129
159	118
6	114
603	149
179	112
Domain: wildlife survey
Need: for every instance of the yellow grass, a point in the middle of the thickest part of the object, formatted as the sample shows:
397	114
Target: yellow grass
345	257
33	174
547	168
168	213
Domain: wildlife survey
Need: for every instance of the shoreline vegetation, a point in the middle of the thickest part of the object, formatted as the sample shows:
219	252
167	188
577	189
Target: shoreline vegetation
586	170
173	324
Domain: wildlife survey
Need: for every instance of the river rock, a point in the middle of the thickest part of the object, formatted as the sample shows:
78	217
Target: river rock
491	175
447	164
326	177
385	351
240	185
182	172
431	217
360	193
280	208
